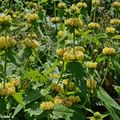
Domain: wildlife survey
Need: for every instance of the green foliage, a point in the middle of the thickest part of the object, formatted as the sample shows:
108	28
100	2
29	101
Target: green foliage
113	107
59	63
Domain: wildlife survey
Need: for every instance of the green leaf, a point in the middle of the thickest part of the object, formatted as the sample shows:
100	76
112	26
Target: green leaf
103	95
109	103
116	37
117	89
17	110
30	97
12	56
78	71
43	1
100	58
116	67
19	98
35	75
78	113
48	71
27	52
2	105
34	109
61	111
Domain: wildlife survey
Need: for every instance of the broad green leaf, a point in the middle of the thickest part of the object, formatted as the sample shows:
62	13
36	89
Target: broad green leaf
78	71
13	58
19	98
78	114
116	37
103	96
117	89
2	105
35	75
100	58
116	67
43	1
34	109
112	112
48	71
109	103
17	110
61	111
30	97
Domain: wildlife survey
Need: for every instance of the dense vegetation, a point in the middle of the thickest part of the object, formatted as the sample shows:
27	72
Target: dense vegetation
60	60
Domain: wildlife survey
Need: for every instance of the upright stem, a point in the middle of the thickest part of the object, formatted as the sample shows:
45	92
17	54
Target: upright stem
55	8
55	16
4	69
48	118
94	14
74	41
62	71
106	71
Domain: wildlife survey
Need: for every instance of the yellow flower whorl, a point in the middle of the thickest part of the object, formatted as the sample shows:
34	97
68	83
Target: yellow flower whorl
108	51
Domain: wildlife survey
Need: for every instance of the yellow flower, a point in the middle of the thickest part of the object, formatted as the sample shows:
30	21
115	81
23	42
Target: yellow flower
79	55
114	21
35	44
46	105
56	88
2	42
71	85
58	100
93	25
110	30
91	84
61	33
91	65
77	99
81	5
65	81
54	75
67	102
74	99
32	5
74	9
30	43
62	5
30	17
97	115
55	20
59	52
73	55
95	2
116	4
77	32
7	42
79	48
10	90
5	19
74	22
108	51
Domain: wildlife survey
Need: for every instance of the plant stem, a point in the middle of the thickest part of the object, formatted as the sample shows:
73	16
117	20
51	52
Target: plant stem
48	117
62	71
55	8
106	71
4	69
74	41
94	14
55	16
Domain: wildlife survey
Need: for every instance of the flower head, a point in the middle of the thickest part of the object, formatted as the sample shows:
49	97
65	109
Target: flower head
46	105
108	51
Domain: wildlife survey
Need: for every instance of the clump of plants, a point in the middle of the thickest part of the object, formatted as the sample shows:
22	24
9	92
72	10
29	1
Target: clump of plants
59	65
